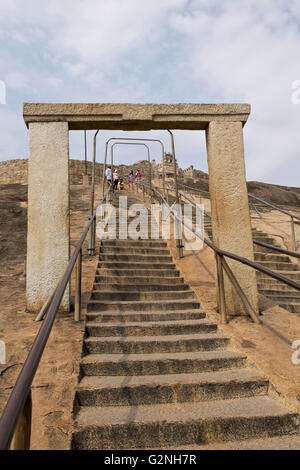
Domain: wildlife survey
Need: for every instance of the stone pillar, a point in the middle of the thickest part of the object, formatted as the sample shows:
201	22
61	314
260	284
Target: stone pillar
231	223
48	239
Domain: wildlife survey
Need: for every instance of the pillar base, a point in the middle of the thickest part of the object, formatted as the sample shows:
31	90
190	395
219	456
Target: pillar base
231	224
48	240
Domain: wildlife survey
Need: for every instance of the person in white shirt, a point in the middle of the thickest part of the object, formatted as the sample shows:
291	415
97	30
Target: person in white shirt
108	175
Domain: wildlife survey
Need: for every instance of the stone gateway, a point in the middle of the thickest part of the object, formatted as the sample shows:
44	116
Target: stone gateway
48	204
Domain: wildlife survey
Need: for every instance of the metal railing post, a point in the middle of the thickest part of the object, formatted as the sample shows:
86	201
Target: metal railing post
78	274
104	168
139	139
293	234
178	241
250	310
22	435
256	210
91	248
148	153
85	154
221	290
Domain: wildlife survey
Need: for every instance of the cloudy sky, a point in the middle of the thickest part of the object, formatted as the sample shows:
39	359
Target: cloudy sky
158	51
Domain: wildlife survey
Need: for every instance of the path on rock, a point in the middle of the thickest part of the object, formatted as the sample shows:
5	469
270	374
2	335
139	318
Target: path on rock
155	371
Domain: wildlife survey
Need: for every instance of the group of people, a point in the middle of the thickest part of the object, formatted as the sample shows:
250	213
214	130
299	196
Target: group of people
112	179
115	177
132	178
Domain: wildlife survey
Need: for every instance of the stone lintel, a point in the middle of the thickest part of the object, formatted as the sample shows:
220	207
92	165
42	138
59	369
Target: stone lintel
127	116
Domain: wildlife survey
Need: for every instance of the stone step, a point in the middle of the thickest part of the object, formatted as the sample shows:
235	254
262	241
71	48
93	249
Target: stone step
147	223
144	316
261	249
160	364
136	258
279	266
270	283
295	275
138	306
133	243
137	296
156	344
175	388
259	256
289	442
133	231
266	239
133	273
138	266
293	307
123	427
160	328
289	295
172	282
146	287
134	250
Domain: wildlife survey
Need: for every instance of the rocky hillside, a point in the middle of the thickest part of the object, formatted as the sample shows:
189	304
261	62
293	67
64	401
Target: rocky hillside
16	171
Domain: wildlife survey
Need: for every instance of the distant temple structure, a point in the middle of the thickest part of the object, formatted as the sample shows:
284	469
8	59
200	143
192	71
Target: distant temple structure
189	172
169	167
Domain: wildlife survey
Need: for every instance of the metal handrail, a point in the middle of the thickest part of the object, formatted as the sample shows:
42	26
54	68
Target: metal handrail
294	254
253	264
250	195
132	139
22	390
274	207
137	139
222	264
195	189
133	143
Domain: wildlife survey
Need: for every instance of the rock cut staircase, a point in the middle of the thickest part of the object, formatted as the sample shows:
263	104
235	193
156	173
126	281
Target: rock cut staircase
279	292
155	372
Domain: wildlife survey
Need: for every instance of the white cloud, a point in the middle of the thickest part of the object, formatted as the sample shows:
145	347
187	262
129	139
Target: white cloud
248	53
175	50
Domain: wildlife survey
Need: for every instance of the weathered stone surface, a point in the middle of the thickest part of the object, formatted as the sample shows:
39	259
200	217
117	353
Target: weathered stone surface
229	205
225	153
130	116
16	172
48	212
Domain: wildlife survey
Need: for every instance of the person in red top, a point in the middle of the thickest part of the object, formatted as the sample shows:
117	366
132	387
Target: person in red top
138	176
116	178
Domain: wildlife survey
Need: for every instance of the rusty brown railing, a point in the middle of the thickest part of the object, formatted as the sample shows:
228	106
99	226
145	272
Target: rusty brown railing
223	265
294	254
289	214
15	423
